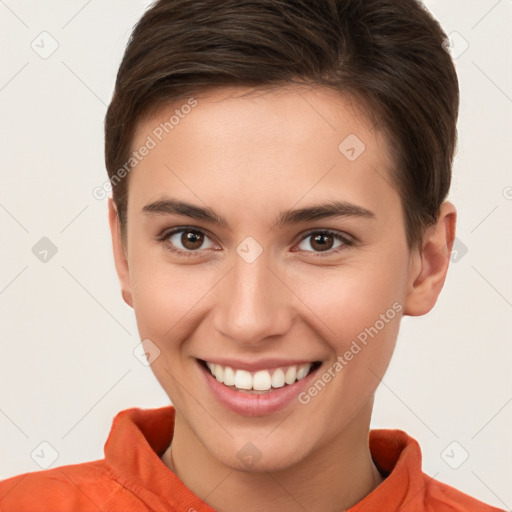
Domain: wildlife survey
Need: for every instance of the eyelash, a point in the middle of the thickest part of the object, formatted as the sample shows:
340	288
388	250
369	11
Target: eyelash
165	235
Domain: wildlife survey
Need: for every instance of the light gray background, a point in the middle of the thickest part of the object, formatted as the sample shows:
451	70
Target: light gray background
67	338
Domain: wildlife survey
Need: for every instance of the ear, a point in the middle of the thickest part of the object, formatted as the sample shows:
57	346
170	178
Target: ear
120	257
429	266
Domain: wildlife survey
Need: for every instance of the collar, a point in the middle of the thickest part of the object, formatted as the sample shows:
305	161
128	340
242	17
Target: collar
139	437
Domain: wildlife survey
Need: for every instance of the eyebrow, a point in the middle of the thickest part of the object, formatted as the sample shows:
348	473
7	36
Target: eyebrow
170	206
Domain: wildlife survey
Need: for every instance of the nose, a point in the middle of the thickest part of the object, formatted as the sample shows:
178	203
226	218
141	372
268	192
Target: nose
254	303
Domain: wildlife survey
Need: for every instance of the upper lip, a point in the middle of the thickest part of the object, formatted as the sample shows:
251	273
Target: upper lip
262	364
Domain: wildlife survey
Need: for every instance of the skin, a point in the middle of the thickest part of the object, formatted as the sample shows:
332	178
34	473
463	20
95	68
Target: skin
249	158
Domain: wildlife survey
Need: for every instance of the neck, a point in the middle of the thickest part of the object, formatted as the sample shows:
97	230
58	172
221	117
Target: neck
333	478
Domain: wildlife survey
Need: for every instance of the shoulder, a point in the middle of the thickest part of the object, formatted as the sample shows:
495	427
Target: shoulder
441	497
88	486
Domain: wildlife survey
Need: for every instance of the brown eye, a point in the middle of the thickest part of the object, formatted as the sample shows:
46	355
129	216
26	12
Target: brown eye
328	242
186	241
322	242
192	240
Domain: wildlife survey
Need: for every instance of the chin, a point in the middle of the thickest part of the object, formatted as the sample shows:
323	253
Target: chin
265	464
259	456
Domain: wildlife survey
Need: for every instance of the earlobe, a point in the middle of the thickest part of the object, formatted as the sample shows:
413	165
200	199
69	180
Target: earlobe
429	267
120	256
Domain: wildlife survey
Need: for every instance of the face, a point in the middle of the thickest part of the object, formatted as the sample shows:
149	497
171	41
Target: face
262	289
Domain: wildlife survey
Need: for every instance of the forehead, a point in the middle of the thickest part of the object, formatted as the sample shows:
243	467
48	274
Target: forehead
265	144
305	109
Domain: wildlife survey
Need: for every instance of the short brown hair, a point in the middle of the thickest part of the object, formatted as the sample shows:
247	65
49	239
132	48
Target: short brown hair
390	54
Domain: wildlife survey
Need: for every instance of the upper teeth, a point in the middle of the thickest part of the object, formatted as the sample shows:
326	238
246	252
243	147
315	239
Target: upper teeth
261	380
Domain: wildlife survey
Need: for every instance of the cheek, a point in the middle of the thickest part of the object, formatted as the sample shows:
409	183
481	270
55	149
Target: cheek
357	309
348	299
167	302
153	303
357	314
165	295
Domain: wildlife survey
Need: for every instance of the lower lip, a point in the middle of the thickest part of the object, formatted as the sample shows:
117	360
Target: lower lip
256	404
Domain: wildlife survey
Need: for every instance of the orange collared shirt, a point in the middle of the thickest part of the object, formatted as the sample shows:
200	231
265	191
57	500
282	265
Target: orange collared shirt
133	478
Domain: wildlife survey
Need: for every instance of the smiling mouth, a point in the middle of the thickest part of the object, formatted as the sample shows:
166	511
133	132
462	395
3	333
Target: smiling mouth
261	381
